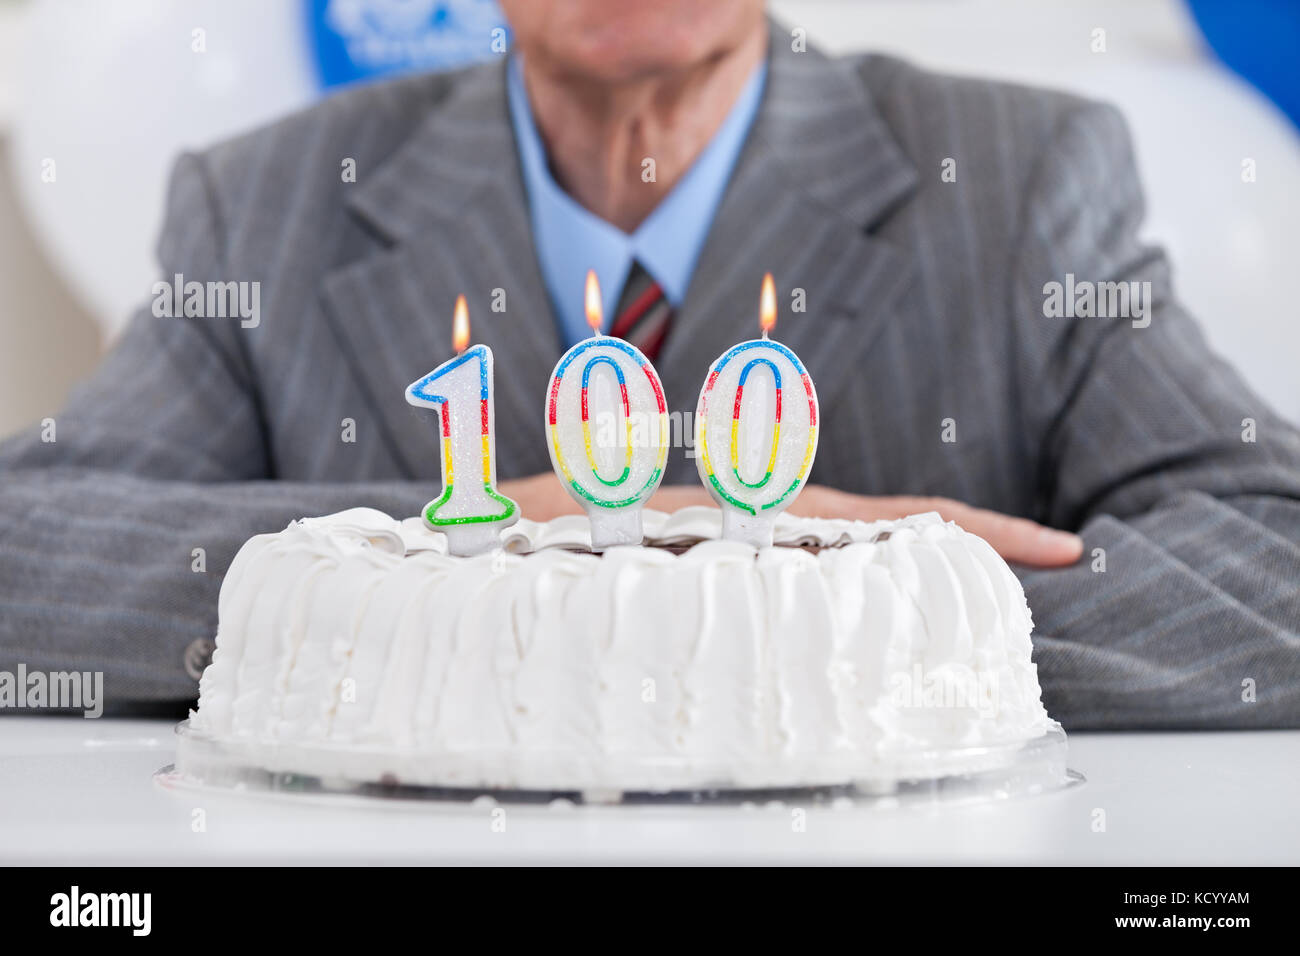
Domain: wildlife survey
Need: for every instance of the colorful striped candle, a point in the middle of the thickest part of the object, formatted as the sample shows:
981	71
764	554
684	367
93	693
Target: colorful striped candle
607	429
770	436
470	511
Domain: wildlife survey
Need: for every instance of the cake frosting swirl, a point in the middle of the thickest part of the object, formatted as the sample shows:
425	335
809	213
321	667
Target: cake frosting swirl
354	644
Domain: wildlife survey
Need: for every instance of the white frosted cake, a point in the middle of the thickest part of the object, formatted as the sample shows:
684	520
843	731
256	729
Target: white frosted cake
353	646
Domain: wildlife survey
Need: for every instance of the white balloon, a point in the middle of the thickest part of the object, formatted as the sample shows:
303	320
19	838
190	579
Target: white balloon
112	92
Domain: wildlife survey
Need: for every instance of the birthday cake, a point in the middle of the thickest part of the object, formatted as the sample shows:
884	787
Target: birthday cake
623	650
355	646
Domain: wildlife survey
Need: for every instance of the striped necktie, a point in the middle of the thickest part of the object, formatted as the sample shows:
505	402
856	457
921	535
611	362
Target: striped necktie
644	314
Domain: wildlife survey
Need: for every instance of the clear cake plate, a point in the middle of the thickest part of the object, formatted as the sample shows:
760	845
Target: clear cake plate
955	775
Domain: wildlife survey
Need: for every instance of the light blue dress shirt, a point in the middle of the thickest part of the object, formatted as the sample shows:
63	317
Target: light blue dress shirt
570	240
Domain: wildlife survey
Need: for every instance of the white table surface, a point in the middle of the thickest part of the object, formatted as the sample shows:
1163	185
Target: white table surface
78	791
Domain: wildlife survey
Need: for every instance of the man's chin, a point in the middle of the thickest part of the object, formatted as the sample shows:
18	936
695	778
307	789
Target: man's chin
628	40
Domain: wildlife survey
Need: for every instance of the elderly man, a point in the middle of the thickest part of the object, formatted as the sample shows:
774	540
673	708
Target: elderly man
931	225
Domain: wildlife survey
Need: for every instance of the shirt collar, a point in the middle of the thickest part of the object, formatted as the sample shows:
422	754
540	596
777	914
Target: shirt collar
570	239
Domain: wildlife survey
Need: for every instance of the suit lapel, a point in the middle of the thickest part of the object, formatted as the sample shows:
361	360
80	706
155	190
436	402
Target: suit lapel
450	205
820	168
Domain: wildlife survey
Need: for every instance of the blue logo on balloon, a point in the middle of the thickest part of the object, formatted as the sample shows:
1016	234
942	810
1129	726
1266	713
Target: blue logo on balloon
363	39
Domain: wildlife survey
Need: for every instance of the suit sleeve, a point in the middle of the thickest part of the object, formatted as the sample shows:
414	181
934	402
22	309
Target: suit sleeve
1185	485
162	452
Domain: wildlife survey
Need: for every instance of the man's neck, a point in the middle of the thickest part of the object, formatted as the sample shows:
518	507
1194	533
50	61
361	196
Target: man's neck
599	136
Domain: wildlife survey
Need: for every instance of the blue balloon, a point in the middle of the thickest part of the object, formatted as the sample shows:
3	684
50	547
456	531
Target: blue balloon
1256	39
355	40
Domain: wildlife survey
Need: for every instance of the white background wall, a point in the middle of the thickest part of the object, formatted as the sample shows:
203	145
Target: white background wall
111	87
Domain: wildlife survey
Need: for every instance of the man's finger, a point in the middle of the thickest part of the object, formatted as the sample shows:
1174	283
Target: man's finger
1019	539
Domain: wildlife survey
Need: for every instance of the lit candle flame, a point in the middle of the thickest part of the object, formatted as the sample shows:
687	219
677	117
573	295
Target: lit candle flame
767	305
595	314
460	326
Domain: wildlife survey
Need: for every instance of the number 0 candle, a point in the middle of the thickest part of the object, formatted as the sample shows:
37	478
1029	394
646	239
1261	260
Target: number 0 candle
756	430
470	511
607	429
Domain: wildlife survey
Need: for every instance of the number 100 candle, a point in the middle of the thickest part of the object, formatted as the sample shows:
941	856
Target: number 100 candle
607	429
470	511
756	430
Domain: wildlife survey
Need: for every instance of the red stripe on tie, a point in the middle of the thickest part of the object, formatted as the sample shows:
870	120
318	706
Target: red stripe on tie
623	324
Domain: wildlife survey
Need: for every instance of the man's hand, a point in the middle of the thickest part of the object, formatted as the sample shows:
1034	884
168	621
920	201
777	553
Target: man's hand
542	497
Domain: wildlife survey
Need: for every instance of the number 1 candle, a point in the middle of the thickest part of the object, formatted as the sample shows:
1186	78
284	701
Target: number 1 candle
607	429
756	430
470	511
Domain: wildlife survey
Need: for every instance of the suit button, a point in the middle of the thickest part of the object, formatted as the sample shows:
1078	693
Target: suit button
198	656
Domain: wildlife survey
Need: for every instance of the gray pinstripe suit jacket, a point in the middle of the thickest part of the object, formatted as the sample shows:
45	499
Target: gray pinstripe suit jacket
925	303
